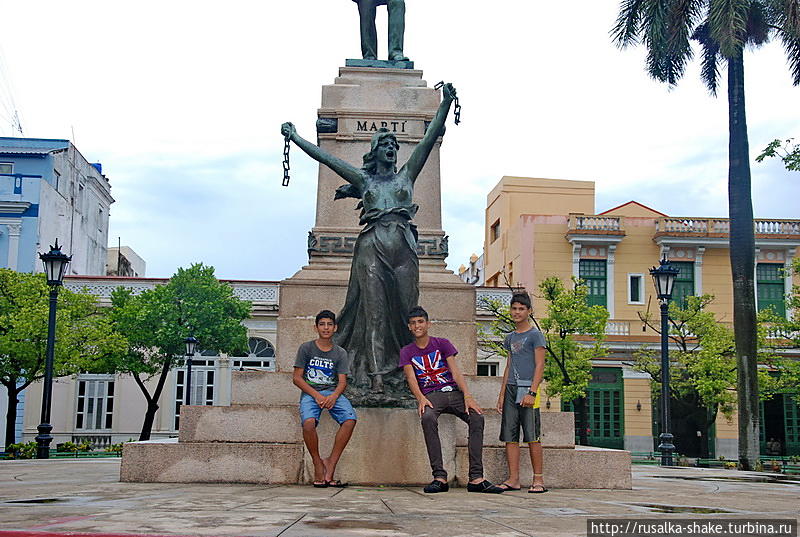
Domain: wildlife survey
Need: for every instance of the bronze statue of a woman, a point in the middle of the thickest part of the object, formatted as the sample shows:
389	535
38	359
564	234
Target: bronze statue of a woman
384	276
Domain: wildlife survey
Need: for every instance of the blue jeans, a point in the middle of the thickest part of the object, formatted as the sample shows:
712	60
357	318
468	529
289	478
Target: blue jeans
341	411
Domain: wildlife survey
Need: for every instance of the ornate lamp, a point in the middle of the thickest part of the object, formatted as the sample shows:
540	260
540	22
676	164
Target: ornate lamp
664	278
55	266
191	347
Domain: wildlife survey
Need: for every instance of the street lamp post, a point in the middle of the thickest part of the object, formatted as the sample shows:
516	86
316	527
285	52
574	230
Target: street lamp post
191	346
664	278
55	265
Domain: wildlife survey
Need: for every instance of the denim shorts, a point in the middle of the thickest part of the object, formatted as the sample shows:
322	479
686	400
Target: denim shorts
342	410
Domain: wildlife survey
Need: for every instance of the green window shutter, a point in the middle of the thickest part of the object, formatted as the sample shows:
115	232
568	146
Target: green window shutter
684	282
770	289
593	272
791	417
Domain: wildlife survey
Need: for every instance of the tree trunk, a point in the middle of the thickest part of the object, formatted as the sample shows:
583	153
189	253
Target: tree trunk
11	417
582	420
742	254
152	401
149	418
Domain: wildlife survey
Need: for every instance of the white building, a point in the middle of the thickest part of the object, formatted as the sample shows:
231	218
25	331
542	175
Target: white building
123	261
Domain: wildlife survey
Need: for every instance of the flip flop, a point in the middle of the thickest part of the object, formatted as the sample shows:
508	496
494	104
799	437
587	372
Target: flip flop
320	484
506	486
337	484
531	491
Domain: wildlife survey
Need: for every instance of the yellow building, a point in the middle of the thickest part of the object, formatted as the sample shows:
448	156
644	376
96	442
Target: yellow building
536	228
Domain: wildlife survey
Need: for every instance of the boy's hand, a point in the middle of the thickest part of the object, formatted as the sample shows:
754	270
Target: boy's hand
422	404
528	401
470	404
499	406
320	399
329	401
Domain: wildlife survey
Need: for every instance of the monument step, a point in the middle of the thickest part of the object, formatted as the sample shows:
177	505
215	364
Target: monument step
241	424
275	388
168	461
281	423
388	461
579	468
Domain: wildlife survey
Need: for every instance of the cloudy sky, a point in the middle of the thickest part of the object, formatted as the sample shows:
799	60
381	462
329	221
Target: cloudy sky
182	103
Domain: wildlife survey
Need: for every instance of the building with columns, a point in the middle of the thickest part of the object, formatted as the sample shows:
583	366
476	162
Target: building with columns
537	228
49	191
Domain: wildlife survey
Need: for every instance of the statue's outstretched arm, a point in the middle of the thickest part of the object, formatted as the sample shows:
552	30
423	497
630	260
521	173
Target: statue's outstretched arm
420	154
349	173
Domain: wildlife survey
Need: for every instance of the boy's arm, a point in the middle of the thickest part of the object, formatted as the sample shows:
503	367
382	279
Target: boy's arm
330	400
502	396
300	382
469	401
413	385
538	358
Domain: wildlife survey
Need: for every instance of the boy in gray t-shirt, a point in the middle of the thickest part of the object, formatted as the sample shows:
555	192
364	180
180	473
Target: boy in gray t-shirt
519	397
320	371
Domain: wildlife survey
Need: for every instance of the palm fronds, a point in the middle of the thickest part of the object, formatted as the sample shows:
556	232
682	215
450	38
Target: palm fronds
709	71
728	24
784	18
626	30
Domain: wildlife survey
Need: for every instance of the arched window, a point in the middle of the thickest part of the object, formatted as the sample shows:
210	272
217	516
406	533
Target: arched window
261	355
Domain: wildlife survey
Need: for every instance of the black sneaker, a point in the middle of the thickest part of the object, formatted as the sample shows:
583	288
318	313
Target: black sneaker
436	486
485	487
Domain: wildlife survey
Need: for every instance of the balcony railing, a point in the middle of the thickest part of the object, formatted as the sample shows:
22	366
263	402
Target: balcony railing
598	225
720	227
267	293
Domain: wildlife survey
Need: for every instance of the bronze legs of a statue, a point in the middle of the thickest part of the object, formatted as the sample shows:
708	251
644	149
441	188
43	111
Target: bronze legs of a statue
397	25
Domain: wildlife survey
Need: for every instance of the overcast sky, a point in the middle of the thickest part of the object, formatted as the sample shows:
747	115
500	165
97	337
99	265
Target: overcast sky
182	103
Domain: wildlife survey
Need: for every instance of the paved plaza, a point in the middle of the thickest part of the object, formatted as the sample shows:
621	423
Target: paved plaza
85	497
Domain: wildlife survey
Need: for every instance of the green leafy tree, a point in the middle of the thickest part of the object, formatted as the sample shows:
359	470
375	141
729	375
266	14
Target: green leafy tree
703	377
574	332
84	336
156	322
723	29
788	152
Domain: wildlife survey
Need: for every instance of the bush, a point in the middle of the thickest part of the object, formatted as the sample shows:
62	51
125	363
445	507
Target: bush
67	447
22	451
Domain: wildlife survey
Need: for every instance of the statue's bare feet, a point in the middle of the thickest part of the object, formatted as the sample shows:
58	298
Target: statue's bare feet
377	384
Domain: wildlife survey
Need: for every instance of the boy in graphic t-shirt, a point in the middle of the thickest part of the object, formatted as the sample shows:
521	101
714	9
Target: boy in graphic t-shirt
320	371
519	395
434	378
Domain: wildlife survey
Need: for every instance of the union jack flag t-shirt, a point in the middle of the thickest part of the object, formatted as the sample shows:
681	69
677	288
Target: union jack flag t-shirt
430	364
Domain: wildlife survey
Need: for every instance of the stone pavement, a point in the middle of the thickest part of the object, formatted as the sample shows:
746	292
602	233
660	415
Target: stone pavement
85	497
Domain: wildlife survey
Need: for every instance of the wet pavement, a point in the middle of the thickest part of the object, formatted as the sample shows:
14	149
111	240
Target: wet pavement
84	497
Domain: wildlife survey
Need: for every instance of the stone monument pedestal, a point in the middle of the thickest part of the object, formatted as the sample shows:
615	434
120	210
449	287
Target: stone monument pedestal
258	439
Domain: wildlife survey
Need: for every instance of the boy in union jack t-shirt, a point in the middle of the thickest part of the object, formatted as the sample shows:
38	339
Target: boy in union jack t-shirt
436	381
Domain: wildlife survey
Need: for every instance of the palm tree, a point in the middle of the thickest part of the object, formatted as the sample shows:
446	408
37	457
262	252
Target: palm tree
722	28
